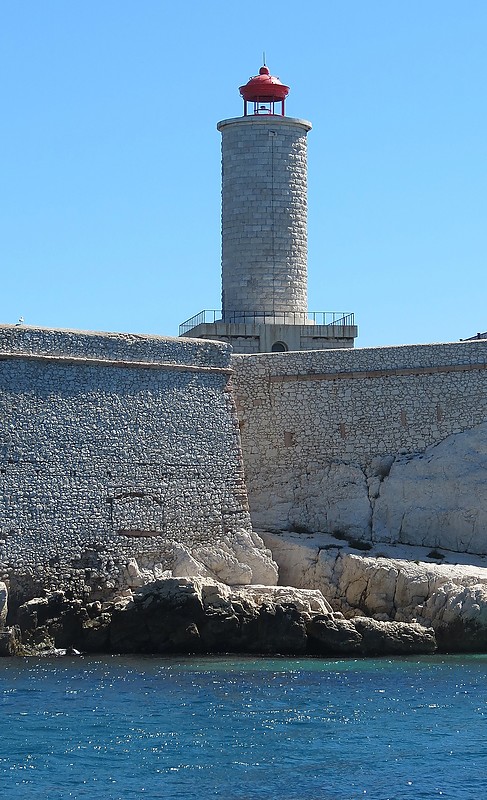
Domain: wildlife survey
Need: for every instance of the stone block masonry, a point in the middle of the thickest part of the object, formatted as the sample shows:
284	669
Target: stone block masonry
116	443
386	443
264	215
122	449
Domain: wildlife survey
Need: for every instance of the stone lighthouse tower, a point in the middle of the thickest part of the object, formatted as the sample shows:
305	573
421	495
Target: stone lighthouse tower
264	208
264	233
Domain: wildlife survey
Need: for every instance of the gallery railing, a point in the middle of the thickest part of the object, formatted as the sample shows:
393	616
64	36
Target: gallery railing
209	316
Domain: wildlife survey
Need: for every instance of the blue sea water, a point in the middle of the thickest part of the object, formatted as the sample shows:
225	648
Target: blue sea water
119	728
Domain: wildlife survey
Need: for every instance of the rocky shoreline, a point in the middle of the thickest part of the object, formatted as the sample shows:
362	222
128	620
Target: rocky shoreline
340	599
441	589
199	615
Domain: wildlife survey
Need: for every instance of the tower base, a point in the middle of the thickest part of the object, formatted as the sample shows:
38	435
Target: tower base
254	338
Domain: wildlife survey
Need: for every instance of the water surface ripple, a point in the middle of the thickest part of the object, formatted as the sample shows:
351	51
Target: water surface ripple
119	728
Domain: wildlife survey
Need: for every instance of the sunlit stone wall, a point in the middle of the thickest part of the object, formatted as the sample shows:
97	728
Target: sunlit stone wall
370	443
116	443
264	217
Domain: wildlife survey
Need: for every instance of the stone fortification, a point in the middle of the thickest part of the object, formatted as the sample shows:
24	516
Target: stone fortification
388	444
113	448
264	217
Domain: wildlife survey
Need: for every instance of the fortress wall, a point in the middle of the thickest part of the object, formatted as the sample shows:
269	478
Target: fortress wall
114	443
325	433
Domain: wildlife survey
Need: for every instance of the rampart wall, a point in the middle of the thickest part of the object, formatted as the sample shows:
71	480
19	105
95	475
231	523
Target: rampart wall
115	448
388	444
114	444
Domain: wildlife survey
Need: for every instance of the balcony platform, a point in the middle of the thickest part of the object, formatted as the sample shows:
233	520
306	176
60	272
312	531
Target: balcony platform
266	332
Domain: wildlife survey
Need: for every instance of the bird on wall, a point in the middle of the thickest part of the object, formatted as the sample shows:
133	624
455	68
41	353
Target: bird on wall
20	321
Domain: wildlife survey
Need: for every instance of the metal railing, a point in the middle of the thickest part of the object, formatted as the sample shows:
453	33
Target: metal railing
339	319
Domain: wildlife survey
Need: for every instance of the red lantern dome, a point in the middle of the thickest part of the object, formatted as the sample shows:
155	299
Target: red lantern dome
264	91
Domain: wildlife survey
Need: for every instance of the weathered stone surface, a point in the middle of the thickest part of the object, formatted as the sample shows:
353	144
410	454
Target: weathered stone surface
331	498
331	635
182	615
438	498
239	560
154	454
450	598
51	622
10	642
3	604
368	637
308	601
393	638
162	617
379	443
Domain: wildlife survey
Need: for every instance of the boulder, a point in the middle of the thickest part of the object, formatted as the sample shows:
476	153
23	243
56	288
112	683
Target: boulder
51	622
163	617
394	638
332	635
3	604
10	642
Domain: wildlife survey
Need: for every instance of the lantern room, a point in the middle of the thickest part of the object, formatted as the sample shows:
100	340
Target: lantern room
263	93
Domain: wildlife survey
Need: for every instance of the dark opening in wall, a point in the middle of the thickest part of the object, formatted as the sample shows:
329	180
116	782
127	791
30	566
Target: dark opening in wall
279	347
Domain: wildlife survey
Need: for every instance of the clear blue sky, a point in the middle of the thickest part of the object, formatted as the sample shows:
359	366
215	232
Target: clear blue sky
110	158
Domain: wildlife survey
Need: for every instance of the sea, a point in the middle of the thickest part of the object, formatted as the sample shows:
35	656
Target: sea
243	728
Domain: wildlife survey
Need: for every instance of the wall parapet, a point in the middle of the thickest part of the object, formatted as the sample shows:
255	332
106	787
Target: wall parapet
116	347
106	362
377	373
361	360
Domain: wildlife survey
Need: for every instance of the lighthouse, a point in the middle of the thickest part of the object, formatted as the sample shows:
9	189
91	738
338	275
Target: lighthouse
264	233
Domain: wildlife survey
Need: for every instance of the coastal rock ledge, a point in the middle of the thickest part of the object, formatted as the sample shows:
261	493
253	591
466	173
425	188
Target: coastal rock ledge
201	615
391	583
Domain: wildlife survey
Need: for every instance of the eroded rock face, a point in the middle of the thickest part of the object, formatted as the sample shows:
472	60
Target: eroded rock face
330	496
200	615
394	638
451	598
3	604
240	560
439	497
10	643
366	636
434	498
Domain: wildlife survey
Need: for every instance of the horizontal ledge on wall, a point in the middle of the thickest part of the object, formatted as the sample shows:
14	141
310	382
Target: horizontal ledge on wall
105	362
376	373
138	534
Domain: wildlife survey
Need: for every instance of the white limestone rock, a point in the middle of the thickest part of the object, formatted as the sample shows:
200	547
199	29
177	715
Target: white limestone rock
224	566
327	497
437	498
215	594
185	566
308	601
133	575
239	559
250	549
406	588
